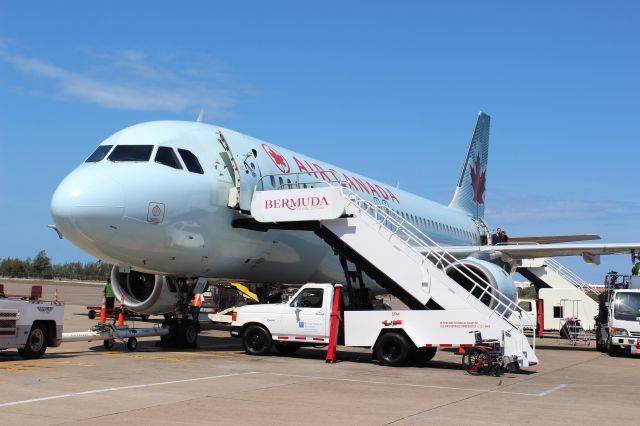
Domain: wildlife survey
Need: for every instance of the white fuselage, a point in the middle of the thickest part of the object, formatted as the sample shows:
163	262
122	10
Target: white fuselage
172	221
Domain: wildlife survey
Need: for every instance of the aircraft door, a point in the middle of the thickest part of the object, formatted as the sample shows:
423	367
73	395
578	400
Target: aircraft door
249	177
245	170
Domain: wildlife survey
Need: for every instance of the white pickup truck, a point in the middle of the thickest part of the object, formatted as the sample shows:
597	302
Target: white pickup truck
395	337
30	325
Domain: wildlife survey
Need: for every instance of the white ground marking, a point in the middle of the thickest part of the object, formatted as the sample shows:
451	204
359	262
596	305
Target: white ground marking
553	389
147	385
544	393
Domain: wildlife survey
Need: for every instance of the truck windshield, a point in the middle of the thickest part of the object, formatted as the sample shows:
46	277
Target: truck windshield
626	306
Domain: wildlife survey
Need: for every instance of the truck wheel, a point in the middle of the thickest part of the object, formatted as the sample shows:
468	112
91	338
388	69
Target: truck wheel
91	314
257	340
392	349
36	344
286	348
423	355
108	344
132	344
613	350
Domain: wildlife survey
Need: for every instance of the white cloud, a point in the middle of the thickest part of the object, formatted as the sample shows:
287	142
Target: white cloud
132	80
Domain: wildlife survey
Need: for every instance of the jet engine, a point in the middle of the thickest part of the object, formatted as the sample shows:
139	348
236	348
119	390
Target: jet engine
485	274
145	293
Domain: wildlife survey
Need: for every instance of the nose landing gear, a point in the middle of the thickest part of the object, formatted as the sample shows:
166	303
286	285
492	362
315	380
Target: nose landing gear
184	325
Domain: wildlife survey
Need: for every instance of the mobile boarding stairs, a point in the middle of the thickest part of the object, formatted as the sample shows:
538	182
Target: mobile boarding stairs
400	258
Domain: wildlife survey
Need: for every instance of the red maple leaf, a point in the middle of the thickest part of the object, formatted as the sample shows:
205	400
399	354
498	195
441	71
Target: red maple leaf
278	159
478	179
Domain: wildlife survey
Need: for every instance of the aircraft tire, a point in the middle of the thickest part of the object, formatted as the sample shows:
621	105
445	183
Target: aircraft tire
188	334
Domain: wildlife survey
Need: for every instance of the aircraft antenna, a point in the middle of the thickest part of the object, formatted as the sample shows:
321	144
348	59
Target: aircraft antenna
200	118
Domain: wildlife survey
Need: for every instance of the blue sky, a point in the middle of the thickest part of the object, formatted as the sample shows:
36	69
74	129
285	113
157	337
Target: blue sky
387	89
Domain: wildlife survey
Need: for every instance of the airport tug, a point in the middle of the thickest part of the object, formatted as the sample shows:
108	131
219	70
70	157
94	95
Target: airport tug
30	324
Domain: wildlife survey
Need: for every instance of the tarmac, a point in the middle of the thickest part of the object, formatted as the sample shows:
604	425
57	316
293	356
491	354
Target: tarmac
83	383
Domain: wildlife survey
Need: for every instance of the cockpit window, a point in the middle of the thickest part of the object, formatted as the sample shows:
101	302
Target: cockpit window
191	161
131	153
167	156
99	154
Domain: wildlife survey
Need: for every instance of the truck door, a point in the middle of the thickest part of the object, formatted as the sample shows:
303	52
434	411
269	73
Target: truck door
307	313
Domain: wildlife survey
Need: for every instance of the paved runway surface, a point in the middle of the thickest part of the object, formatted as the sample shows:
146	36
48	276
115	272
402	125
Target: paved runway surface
82	383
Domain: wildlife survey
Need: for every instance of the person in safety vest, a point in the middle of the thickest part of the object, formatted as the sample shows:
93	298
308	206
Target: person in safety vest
110	295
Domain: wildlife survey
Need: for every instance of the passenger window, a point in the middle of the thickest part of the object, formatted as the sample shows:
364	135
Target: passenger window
167	156
309	298
131	153
191	161
99	154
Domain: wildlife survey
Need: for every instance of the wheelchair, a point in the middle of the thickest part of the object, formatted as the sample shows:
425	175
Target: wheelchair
486	357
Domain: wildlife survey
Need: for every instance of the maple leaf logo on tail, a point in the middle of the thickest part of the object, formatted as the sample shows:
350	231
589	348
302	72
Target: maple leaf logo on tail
279	160
478	179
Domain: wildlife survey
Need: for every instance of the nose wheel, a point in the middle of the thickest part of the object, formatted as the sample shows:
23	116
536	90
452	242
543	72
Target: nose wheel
183	333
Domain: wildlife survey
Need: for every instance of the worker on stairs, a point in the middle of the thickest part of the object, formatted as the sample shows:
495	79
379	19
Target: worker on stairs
636	267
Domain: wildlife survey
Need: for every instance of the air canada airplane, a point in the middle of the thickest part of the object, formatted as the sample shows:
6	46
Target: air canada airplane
158	200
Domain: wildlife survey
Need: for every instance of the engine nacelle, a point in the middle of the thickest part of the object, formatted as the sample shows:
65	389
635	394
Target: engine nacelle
144	293
502	286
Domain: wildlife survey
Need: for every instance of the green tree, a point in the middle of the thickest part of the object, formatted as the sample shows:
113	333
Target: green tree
42	265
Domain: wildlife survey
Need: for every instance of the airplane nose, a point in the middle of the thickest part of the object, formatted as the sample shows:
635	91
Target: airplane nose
88	206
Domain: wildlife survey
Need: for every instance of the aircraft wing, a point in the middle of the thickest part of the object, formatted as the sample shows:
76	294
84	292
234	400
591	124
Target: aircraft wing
590	252
552	239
